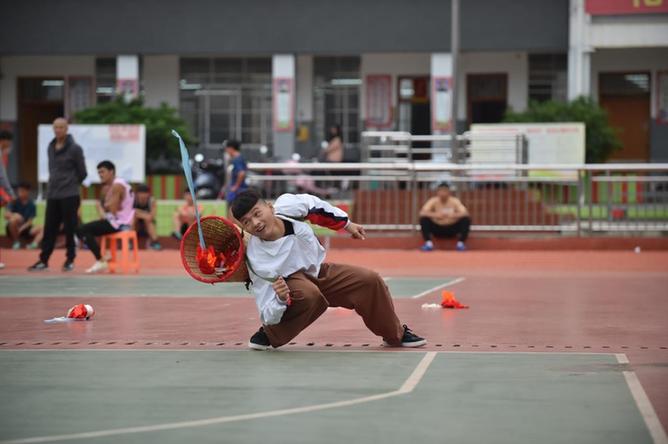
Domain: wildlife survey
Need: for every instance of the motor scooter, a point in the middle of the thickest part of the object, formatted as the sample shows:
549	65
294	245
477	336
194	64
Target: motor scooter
208	176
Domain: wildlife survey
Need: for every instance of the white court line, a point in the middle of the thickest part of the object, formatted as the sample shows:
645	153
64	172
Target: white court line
407	387
439	287
621	358
644	405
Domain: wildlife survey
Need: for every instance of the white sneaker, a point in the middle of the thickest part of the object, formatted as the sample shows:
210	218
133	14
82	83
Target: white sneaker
98	266
2	265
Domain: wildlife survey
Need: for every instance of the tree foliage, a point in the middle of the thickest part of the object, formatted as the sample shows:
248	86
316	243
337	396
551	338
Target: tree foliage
601	139
159	122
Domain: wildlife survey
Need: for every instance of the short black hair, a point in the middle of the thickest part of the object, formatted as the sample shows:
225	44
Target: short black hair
6	135
234	144
244	202
107	164
443	185
24	185
143	188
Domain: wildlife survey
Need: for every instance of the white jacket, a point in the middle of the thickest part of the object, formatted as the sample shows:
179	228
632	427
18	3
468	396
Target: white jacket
289	254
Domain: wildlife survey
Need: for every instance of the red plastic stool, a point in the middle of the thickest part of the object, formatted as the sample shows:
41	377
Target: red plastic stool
124	262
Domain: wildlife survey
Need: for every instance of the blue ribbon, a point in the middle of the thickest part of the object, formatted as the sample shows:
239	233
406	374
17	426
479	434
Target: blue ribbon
185	161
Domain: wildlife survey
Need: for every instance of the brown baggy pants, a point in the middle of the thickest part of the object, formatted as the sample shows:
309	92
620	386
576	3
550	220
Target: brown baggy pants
337	285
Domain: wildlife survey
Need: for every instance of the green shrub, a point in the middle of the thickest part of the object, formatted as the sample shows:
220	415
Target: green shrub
601	139
159	123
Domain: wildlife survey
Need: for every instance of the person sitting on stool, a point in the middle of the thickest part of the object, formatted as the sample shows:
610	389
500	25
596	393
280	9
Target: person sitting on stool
20	215
146	213
444	216
119	213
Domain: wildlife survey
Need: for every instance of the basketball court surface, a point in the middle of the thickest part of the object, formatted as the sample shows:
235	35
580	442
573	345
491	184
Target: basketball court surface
556	347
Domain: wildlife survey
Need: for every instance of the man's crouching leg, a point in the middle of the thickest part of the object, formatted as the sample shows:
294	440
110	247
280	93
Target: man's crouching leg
307	305
364	291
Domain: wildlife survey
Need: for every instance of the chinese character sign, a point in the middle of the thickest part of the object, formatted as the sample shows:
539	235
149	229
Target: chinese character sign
283	104
441	103
378	101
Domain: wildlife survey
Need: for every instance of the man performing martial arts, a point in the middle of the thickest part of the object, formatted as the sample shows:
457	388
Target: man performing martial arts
291	283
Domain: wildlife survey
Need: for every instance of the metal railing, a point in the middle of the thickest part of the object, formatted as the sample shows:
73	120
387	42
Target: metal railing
472	147
579	199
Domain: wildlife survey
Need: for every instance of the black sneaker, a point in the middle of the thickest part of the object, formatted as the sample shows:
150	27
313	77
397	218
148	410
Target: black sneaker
38	266
68	266
410	339
259	341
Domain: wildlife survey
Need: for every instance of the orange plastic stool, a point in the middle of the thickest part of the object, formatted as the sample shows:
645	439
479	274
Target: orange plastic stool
124	262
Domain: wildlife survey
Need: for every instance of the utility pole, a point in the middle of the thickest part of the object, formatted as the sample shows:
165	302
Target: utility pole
454	50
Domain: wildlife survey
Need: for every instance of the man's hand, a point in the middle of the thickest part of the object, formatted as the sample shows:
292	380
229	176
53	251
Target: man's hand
282	290
356	230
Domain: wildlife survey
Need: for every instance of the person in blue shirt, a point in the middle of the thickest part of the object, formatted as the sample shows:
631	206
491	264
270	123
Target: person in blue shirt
237	180
20	215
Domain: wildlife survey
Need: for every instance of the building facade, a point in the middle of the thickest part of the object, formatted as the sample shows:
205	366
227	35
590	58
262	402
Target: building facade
278	73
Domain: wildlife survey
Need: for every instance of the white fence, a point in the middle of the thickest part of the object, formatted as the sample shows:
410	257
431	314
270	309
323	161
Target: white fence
599	198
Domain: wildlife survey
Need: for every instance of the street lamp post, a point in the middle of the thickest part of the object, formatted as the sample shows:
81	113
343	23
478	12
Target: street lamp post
454	49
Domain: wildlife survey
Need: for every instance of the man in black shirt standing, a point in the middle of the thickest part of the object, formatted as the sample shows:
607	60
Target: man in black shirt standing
67	169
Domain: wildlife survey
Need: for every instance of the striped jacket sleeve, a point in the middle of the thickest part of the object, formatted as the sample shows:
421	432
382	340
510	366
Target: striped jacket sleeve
312	209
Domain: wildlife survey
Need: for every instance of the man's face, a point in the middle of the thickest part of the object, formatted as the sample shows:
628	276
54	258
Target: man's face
188	198
230	151
24	194
259	220
60	128
106	176
443	193
142	196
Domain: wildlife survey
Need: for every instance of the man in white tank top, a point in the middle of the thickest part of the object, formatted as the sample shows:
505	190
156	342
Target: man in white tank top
118	213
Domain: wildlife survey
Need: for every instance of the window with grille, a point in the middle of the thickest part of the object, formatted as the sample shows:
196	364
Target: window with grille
105	79
548	74
227	98
337	85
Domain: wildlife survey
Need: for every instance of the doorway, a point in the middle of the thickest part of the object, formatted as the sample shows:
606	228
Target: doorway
415	110
626	99
337	104
487	97
220	117
40	101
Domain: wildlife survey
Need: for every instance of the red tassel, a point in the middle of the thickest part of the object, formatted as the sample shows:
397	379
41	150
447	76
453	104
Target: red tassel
449	301
208	260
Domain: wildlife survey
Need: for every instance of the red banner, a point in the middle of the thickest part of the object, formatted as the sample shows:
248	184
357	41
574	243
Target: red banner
625	7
